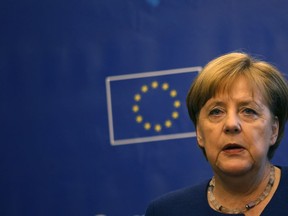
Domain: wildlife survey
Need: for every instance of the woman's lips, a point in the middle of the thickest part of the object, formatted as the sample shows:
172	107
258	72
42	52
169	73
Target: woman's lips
233	148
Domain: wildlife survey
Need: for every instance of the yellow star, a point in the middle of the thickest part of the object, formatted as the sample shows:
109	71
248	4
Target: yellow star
168	123
137	97
135	108
139	118
177	103
157	127
165	86
173	93
154	84
175	115
147	126
144	88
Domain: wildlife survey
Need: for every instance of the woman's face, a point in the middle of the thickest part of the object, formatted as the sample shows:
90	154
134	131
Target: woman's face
236	129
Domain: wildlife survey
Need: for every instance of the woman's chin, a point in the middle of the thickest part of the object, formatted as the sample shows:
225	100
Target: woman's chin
234	169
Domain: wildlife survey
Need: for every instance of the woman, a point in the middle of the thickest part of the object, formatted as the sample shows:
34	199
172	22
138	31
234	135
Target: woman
239	107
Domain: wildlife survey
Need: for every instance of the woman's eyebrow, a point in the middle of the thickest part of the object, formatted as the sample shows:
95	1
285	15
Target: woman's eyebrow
216	102
251	102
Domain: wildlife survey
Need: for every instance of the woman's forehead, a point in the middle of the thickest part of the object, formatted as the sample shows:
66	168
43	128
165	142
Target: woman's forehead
240	89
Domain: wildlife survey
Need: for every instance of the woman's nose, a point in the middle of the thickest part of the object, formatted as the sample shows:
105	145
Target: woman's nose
232	124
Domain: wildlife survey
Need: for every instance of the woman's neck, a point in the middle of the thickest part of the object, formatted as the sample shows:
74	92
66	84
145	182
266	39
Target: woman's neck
244	186
236	192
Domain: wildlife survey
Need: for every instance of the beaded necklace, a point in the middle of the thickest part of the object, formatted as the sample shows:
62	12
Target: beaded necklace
249	205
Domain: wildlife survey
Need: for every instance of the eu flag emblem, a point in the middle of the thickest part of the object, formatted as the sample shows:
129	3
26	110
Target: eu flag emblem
149	106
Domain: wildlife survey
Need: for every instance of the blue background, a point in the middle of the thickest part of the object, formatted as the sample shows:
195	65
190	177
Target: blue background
56	157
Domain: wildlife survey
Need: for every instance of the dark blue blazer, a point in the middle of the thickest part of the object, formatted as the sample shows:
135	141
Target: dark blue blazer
192	201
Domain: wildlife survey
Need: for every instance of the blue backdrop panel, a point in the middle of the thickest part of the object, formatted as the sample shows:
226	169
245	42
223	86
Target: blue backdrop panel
56	58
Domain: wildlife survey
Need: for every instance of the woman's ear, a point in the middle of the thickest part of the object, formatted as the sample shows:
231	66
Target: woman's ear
275	130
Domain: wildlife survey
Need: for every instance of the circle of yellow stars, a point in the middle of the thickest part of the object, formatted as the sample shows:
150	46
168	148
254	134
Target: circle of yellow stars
158	127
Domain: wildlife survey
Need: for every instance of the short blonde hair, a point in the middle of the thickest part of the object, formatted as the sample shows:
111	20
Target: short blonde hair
220	74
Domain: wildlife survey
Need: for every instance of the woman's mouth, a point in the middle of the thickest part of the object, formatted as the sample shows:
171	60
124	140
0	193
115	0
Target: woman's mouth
233	148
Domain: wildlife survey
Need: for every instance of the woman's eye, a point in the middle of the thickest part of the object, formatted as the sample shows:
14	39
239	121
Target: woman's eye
249	111
215	112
